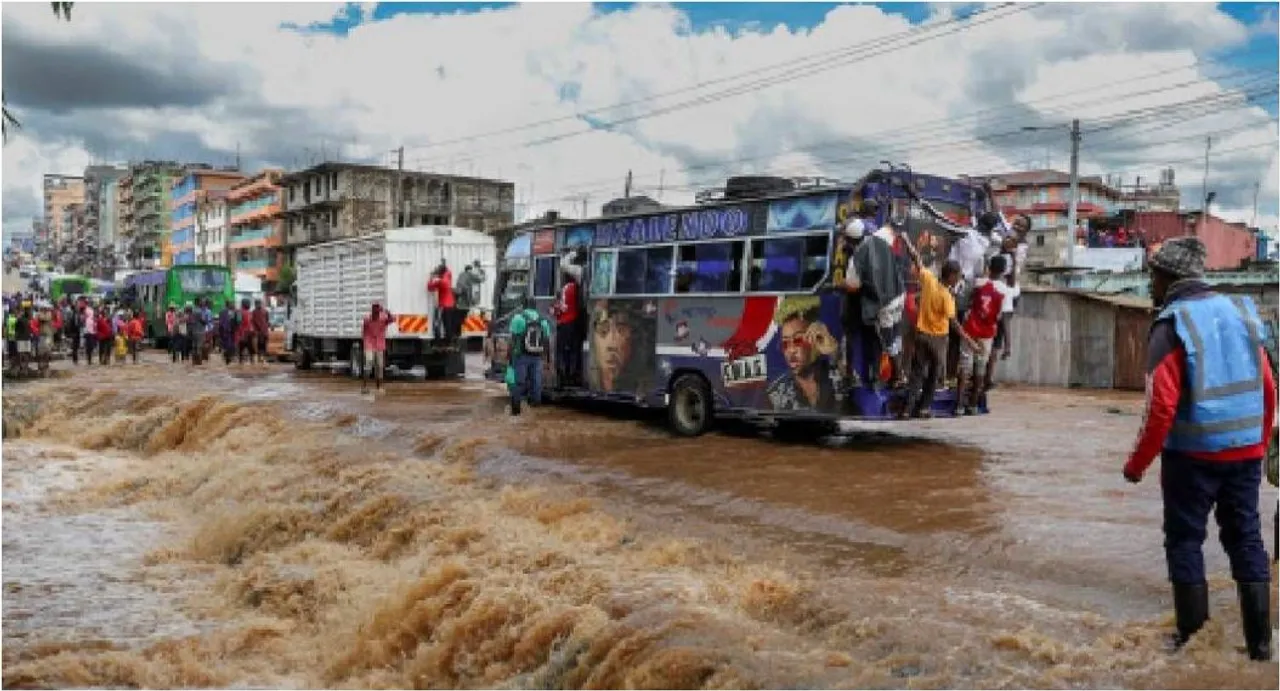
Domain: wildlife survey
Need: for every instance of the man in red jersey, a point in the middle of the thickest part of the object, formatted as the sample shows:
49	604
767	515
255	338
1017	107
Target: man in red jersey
980	324
1211	401
568	339
373	335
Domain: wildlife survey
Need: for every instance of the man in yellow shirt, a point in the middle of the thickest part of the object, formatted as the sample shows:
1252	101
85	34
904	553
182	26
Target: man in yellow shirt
936	318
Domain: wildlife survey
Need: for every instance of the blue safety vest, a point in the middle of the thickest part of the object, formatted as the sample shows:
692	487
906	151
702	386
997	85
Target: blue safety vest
1222	399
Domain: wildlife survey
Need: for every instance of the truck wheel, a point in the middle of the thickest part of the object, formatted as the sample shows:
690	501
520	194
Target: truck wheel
690	409
357	361
302	361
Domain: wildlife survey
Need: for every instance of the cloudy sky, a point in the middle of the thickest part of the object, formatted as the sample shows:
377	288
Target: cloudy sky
566	98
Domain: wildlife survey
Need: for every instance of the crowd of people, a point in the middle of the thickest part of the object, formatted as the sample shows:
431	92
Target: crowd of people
104	332
954	319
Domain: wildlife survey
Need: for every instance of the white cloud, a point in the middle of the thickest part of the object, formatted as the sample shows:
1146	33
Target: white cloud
417	79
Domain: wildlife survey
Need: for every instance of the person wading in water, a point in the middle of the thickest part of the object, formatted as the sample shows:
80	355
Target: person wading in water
1211	401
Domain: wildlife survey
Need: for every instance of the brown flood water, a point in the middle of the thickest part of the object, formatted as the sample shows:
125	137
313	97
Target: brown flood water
252	526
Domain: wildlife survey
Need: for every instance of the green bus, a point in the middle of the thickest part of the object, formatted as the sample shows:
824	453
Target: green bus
68	286
154	291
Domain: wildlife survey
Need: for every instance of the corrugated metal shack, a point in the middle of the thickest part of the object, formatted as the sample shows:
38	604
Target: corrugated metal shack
1071	338
1075	339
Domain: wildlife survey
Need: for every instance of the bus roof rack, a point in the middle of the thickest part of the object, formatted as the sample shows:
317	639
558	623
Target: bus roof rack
744	187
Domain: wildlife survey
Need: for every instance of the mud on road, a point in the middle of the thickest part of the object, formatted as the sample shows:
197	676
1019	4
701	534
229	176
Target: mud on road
255	527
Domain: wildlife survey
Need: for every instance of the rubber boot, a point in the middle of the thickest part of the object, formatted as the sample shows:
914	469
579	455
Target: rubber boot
1255	613
979	382
1191	608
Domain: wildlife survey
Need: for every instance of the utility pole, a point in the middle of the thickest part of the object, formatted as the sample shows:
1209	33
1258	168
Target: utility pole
397	192
585	200
1253	220
626	193
1074	200
1204	186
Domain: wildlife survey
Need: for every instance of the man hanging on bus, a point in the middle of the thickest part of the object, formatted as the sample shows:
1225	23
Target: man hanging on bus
568	335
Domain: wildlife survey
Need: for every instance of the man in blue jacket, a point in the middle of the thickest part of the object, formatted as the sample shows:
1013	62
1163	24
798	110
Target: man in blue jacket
1211	400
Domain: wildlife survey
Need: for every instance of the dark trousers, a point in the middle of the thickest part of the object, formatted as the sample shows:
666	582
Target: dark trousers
927	367
90	348
528	384
73	344
1191	489
568	355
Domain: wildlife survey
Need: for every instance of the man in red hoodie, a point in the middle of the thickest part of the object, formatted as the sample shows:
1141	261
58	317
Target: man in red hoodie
1211	402
441	283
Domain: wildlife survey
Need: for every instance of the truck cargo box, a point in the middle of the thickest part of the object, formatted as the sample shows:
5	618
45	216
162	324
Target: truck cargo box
338	281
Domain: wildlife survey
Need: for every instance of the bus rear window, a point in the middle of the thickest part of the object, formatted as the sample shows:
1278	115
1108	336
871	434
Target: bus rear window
644	271
789	264
710	267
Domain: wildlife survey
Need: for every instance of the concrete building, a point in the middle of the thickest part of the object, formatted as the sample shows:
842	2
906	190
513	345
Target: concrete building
184	195
211	228
338	200
256	227
1044	196
59	192
145	212
97	179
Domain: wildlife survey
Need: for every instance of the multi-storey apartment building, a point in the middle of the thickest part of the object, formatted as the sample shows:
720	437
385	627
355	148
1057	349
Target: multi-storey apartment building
211	227
256	227
147	218
97	179
184	196
338	200
59	191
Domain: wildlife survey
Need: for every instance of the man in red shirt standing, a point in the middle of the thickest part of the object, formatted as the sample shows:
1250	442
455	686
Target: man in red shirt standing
1211	403
374	341
568	339
261	330
441	284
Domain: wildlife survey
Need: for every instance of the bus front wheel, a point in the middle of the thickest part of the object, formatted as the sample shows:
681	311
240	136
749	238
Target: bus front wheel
690	409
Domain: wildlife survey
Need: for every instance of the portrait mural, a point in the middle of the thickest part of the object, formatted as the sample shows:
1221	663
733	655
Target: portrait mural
622	339
803	354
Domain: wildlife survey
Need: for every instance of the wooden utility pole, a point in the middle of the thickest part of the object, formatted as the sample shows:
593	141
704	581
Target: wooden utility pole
1204	186
626	192
1253	220
1074	200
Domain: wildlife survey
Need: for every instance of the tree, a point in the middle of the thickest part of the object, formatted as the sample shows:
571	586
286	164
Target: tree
61	10
284	284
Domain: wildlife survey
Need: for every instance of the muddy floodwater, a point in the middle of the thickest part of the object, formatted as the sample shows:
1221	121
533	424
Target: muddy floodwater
254	526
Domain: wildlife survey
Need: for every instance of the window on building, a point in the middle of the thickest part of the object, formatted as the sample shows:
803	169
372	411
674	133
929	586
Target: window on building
644	271
1040	240
788	264
333	181
710	267
544	276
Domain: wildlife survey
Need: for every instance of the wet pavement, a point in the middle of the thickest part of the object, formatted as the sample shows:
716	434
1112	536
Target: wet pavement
252	525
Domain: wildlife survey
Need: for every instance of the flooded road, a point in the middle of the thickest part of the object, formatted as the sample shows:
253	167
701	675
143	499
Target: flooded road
259	527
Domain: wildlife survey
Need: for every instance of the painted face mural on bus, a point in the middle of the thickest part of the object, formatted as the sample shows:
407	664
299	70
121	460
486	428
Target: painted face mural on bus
622	346
808	349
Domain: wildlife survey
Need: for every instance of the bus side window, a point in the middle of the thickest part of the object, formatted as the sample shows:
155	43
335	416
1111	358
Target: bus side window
544	276
710	267
789	264
603	263
644	271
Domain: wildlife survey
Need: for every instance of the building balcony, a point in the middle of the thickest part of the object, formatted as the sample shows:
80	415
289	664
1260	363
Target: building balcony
257	215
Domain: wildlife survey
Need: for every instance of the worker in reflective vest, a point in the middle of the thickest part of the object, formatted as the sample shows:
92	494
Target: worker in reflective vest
1211	401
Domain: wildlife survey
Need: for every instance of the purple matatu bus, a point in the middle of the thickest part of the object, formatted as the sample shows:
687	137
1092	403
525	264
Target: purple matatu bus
732	307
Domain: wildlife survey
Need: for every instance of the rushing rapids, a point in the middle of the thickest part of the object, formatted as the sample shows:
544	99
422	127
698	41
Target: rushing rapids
165	528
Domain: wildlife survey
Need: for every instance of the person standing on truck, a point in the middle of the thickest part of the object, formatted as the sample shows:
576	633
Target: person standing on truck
568	343
441	284
1211	402
373	334
466	293
529	334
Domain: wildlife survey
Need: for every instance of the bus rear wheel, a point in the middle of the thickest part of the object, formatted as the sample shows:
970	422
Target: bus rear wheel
690	409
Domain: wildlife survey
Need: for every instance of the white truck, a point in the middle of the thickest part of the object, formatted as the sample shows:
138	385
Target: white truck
337	282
